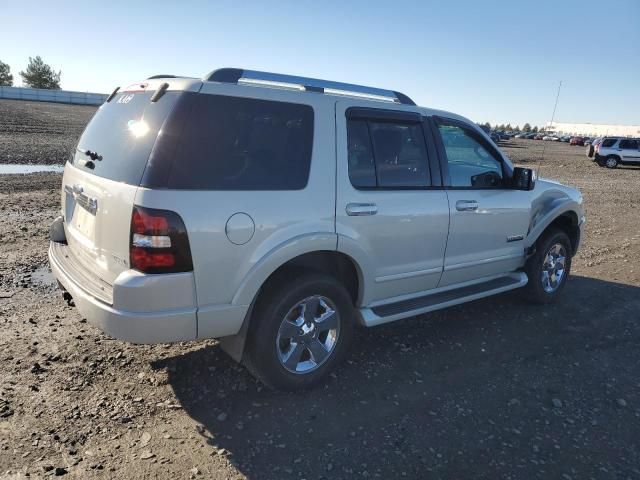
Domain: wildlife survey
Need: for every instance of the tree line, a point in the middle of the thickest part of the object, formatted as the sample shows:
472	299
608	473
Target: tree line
525	128
37	75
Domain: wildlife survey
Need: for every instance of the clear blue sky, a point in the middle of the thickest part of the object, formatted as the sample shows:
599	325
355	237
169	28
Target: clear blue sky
490	61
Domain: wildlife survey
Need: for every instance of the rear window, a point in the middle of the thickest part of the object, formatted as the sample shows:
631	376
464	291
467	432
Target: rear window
629	144
122	134
609	142
233	143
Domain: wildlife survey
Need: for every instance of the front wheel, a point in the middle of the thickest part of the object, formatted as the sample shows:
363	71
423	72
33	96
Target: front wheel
549	267
301	328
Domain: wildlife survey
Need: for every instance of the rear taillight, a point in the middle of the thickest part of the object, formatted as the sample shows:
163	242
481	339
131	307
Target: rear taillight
159	242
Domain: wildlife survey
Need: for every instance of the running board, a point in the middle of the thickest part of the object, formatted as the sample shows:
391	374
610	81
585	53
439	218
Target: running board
440	299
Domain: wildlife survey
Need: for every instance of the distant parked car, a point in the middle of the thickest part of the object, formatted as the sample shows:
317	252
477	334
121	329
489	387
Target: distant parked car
618	151
495	136
576	141
539	136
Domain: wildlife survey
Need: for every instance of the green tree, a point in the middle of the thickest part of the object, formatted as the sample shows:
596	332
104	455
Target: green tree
508	127
6	79
535	130
488	125
526	127
40	75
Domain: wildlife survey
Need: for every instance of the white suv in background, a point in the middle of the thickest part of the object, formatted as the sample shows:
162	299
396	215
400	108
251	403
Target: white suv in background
278	212
614	151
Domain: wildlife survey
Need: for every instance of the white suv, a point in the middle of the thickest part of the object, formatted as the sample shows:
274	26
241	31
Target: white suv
614	151
277	212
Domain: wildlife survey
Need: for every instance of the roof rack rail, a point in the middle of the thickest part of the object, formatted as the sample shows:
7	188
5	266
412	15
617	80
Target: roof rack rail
254	77
153	77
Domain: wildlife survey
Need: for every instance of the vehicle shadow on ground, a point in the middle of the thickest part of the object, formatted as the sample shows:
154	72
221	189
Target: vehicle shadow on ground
445	394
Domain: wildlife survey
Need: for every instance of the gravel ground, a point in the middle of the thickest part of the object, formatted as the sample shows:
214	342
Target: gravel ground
493	389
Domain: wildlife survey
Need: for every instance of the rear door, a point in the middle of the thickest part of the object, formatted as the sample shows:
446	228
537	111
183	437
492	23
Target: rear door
629	150
102	176
390	208
489	220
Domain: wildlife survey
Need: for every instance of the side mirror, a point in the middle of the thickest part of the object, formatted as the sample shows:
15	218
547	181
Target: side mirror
523	179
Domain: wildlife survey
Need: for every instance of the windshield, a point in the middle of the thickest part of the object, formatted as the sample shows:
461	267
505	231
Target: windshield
118	140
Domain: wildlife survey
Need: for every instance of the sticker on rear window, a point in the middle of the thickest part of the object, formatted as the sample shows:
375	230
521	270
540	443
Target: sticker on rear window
125	98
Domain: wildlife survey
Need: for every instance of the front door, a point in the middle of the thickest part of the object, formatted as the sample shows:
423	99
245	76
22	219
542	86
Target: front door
489	220
388	215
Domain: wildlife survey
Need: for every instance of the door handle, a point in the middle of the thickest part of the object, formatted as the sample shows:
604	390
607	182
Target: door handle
466	205
361	209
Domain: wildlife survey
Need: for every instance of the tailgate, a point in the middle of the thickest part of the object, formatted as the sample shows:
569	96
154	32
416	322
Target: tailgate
97	214
101	179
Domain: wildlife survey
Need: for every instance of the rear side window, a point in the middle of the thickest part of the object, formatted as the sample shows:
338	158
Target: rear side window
609	142
121	134
629	144
387	154
362	170
232	143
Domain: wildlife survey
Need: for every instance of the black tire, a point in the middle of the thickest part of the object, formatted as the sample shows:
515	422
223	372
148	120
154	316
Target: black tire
263	353
535	289
611	161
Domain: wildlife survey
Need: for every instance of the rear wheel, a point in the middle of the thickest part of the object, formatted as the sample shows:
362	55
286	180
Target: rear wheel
301	329
611	162
549	267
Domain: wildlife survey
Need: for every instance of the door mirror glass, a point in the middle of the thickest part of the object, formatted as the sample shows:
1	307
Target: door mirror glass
523	179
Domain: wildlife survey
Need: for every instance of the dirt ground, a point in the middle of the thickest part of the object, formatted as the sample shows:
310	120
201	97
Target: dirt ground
493	389
40	132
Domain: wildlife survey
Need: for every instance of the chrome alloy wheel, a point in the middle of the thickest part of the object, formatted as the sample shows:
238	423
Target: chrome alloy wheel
611	162
553	268
308	334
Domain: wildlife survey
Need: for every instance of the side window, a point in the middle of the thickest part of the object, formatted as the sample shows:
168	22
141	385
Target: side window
609	142
629	144
387	154
362	170
400	153
471	164
233	143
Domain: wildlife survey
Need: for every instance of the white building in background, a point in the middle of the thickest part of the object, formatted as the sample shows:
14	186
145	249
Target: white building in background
594	129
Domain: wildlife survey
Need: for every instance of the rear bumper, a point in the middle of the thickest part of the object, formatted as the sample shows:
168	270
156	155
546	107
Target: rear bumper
140	308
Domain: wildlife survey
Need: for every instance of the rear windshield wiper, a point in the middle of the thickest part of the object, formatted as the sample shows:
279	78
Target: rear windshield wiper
92	155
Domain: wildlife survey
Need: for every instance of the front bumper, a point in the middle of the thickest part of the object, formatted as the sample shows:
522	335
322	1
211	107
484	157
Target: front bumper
138	308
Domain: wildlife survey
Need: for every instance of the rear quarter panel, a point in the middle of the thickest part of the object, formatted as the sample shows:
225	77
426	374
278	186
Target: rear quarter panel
287	223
